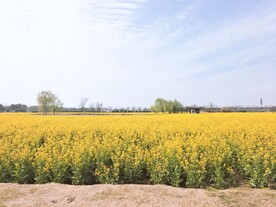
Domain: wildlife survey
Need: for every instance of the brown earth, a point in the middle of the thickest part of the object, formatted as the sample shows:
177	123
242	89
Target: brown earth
131	195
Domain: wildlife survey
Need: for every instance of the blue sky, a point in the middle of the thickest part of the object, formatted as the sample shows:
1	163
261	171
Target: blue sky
129	52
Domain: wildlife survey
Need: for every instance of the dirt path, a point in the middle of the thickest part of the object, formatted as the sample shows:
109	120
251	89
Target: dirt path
130	195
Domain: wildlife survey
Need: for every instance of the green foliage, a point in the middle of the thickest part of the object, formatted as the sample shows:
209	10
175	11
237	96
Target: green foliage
107	169
61	172
23	172
176	174
42	172
195	170
158	170
164	167
83	169
259	177
5	171
162	105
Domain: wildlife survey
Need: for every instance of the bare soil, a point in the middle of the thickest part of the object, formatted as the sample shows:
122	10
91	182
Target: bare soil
131	195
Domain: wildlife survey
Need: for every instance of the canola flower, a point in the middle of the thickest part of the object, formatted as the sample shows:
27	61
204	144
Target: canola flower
187	150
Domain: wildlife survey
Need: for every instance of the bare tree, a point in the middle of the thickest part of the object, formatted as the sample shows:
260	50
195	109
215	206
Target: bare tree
98	106
82	103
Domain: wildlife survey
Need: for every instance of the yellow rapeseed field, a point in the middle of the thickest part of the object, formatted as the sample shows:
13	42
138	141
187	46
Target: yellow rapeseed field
187	150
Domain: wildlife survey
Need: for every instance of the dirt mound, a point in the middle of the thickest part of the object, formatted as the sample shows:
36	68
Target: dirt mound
130	195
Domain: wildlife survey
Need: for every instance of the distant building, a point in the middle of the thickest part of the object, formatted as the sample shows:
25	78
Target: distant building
194	109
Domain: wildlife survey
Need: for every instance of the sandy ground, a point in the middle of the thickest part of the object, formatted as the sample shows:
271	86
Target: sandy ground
130	195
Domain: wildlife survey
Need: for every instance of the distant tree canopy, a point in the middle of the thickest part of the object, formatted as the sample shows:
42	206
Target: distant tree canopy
18	108
33	109
47	102
162	105
14	108
2	108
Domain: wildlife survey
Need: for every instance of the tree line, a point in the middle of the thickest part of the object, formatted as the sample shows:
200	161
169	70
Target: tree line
47	102
14	108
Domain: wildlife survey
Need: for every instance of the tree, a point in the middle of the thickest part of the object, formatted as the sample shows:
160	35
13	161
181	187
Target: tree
159	106
98	106
177	107
92	108
18	108
2	108
46	101
162	105
57	105
83	101
33	109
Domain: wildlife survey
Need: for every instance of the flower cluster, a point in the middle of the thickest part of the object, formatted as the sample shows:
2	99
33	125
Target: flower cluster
187	150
